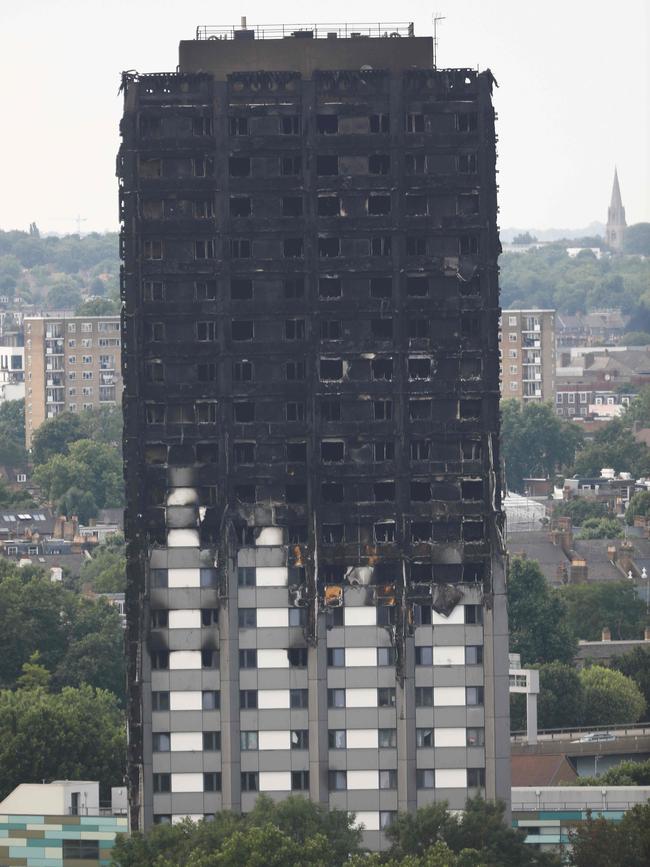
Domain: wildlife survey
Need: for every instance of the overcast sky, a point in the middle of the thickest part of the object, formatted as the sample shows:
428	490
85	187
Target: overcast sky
573	101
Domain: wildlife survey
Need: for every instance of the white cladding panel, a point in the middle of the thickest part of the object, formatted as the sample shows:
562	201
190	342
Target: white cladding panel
368	819
274	740
452	655
185	659
185	618
360	656
362	739
272	658
363	779
180	817
272	536
183	578
188	700
272	617
451	778
182	538
272	698
456	617
362	615
186	742
271	576
448	695
187	782
363	697
275	781
450	737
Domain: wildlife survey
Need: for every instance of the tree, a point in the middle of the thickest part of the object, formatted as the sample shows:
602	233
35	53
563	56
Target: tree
89	466
560	703
71	735
635	338
438	855
637	239
613	446
601	528
64	295
12	434
538	625
579	509
524	238
636	664
97	306
591	607
610	697
534	441
55	435
106	571
639	505
603	843
103	425
79	503
624	774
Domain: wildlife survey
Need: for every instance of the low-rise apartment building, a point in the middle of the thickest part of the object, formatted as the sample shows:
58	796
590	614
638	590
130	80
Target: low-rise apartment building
528	354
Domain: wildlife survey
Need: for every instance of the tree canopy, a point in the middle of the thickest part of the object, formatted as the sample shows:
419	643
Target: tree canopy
636	664
591	607
609	697
603	843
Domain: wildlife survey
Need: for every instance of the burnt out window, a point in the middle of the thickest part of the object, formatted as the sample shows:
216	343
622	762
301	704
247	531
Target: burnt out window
294	329
468	245
470	409
471	489
153	290
292	248
329	206
239	167
203	167
379	204
292	206
243	371
155	331
244	452
150	168
384	532
206	411
419	368
238	125
296	493
203	208
414	122
329	248
154	371
381	287
245	494
294	371
205	290
243	329
416	205
206	371
420	491
382	410
330	409
418	329
467	164
241	289
381	245
329	287
421	531
471	450
383	450
291	166
467	121
333	534
297	534
473	531
241	248
206	331
331	492
290	124
327	124
381	329
244	411
331	369
295	410
150	127
332	451
379	123
152	250
468	204
384	492
417	287
382	369
205	249
296	452
294	287
379	164
155	413
416	245
240	206
330	329
327	165
201	126
473	614
415	164
420	450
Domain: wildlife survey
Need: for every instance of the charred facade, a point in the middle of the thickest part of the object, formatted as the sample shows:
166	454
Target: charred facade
316	596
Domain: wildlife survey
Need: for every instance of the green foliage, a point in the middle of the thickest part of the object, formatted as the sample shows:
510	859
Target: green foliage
637	239
624	774
103	425
10	499
106	572
548	277
64	295
538	624
12	434
72	735
579	509
639	505
10	271
560	703
438	855
79	503
35	675
610	697
590	607
524	238
55	435
613	446
636	664
603	843
601	528
77	640
97	306
635	338
535	441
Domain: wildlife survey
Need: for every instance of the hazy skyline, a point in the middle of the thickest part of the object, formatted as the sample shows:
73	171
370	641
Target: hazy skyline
573	100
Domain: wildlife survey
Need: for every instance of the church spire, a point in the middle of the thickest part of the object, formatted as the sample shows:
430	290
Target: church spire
615	218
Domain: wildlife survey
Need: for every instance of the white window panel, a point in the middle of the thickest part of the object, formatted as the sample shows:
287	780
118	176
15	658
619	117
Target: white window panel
185	618
451	778
177	818
272	658
187	782
452	655
362	739
186	742
270	536
456	617
361	656
363	779
185	659
185	700
362	615
271	576
272	616
369	820
275	781
183	538
444	696
450	737
361	697
177	578
183	497
272	698
274	740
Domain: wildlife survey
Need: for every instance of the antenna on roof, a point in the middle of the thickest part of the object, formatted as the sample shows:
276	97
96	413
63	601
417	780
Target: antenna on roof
436	18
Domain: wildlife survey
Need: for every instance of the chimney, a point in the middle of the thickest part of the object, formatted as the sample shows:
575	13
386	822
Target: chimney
606	634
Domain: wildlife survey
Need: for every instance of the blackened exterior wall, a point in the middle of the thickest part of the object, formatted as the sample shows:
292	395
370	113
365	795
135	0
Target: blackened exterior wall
311	439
